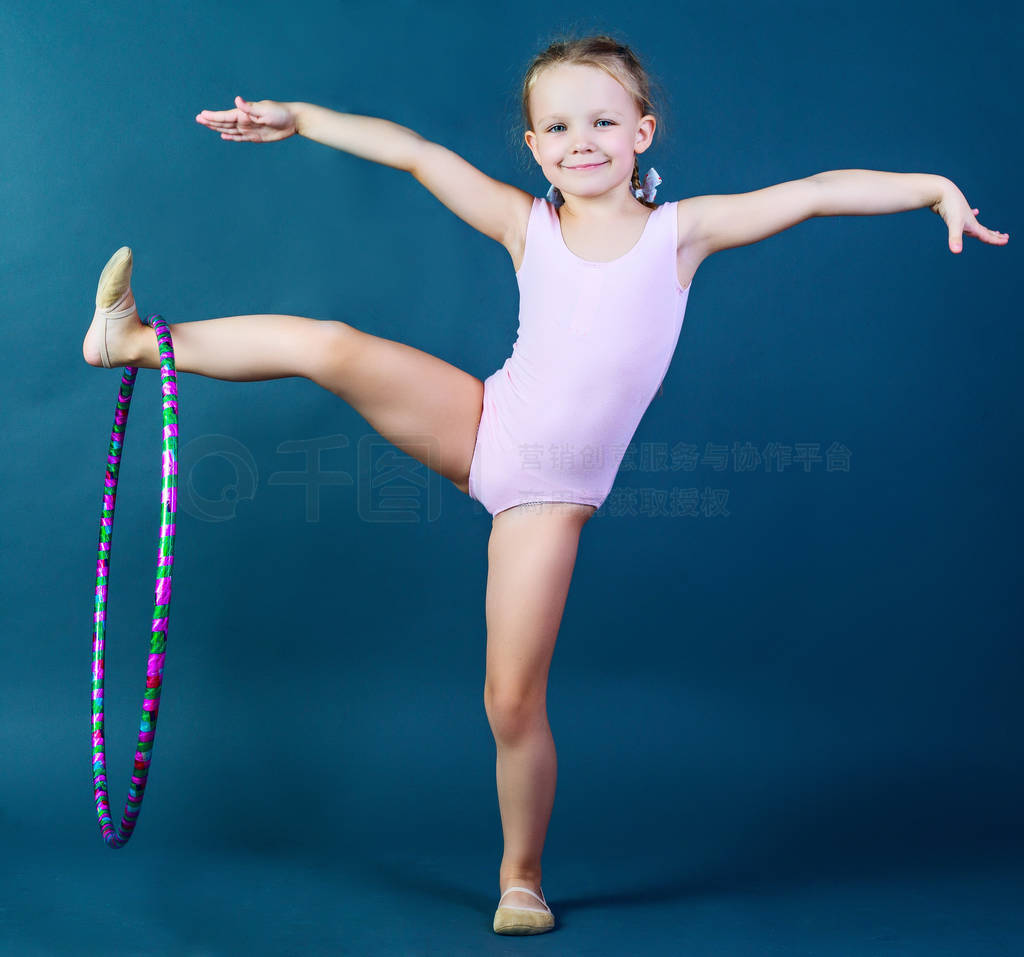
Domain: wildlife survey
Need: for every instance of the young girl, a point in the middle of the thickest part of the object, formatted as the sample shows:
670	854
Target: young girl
604	275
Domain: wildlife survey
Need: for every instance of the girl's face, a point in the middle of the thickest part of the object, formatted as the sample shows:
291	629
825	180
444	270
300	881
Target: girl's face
587	130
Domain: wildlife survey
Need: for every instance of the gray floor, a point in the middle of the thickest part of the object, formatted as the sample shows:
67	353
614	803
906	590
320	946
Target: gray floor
143	901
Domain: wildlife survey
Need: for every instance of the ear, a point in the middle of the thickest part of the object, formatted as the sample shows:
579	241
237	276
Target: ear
531	142
645	133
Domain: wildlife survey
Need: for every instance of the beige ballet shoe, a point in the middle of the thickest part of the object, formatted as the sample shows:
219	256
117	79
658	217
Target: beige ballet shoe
523	920
114	299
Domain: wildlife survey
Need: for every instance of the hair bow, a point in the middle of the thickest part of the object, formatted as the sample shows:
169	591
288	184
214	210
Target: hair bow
554	196
647	191
650	186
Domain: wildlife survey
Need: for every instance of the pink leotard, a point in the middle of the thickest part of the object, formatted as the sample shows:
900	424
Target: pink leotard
595	340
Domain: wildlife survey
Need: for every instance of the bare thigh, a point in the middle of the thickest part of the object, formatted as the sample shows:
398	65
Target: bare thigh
531	555
425	406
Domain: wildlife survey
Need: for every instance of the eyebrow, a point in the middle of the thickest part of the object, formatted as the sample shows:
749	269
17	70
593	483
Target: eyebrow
555	116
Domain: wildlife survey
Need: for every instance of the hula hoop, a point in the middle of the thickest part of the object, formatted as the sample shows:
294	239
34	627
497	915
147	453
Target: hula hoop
162	602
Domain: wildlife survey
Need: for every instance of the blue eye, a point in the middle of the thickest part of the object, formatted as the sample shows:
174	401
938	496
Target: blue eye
551	128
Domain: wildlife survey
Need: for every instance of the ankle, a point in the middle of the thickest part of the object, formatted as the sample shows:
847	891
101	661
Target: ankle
519	877
144	347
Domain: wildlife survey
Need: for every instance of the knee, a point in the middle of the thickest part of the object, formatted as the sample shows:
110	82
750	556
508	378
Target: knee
513	712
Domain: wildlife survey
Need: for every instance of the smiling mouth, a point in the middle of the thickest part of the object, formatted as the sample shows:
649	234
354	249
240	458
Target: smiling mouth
587	166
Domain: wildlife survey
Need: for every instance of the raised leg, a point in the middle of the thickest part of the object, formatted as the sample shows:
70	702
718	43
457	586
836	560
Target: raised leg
425	406
531	555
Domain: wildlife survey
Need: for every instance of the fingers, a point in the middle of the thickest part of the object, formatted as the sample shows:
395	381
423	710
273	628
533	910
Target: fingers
224	122
228	119
990	235
249	109
218	125
216	116
228	130
986	235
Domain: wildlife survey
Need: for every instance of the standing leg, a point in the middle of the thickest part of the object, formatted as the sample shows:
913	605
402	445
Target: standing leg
531	555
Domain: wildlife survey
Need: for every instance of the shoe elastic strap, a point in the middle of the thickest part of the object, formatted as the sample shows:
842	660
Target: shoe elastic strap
113	313
526	890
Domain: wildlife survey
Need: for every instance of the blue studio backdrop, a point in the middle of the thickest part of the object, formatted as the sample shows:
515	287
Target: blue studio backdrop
792	637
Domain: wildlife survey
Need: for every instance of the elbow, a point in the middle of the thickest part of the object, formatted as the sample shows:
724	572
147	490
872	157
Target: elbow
817	195
417	148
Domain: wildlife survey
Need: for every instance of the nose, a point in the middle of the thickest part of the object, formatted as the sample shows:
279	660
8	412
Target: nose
581	153
582	145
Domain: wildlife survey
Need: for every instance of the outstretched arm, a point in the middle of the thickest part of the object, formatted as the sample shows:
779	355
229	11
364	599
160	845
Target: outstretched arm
863	192
708	224
488	205
264	121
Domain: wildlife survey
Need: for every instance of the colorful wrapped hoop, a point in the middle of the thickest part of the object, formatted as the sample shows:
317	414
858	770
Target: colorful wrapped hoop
118	837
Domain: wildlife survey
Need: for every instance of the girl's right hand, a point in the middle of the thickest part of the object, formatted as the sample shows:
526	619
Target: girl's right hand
261	122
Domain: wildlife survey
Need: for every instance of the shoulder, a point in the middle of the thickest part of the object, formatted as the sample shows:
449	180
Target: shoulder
694	216
521	210
690	253
688	213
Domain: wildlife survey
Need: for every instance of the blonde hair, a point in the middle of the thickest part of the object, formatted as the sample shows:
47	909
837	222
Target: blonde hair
605	53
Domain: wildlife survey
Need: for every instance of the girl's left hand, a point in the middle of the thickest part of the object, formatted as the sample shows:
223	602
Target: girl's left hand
952	206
